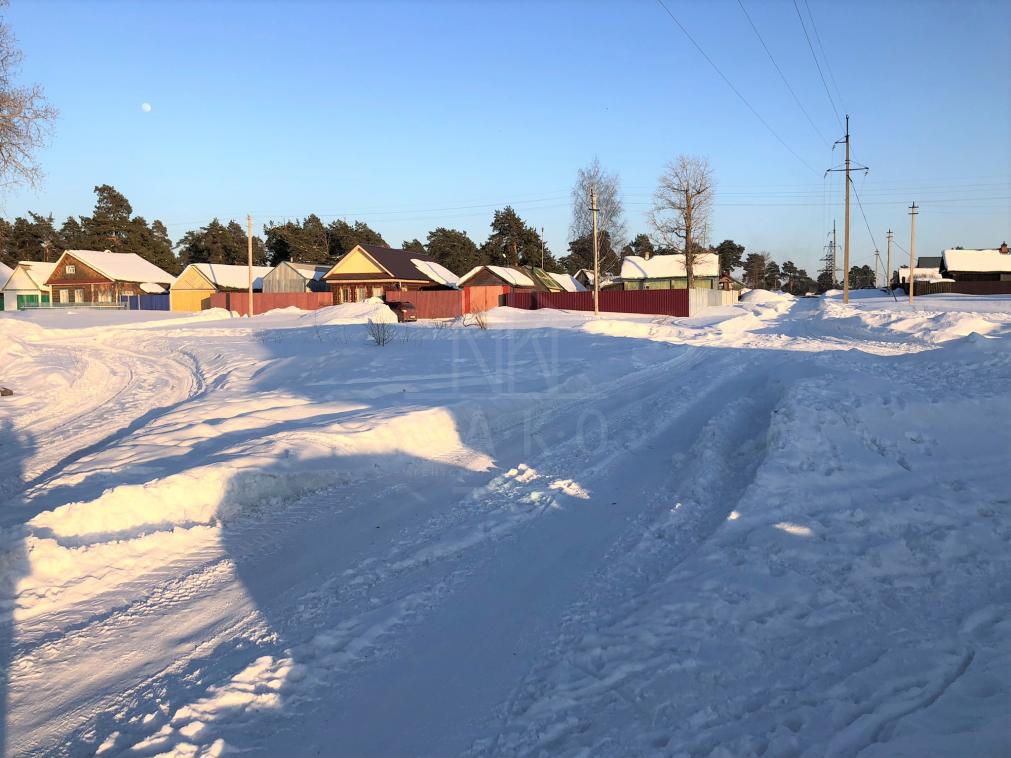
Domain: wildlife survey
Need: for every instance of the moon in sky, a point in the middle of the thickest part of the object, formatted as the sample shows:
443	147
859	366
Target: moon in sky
146	107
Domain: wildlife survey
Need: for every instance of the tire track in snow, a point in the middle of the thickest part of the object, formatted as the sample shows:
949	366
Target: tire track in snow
418	553
592	660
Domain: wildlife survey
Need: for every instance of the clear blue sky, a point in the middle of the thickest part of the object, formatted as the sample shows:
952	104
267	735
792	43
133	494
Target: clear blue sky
412	115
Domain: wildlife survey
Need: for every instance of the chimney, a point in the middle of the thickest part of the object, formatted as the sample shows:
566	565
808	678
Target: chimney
1003	248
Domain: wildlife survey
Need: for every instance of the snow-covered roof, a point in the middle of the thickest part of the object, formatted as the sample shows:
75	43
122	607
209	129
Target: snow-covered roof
232	277
567	282
151	288
668	266
122	267
988	261
5	273
436	272
920	273
36	273
310	270
510	275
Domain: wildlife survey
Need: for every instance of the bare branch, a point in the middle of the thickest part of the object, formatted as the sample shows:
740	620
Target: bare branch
26	118
682	207
611	213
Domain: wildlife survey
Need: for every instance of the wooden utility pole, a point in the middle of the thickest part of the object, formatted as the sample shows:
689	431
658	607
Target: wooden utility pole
249	252
542	248
846	230
888	257
912	251
596	254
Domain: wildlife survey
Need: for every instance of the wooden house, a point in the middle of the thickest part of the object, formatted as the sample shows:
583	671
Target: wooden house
26	286
193	288
666	272
977	265
296	277
5	274
371	270
102	277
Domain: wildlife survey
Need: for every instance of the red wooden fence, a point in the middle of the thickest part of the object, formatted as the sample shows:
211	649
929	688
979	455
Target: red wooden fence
656	302
449	303
268	301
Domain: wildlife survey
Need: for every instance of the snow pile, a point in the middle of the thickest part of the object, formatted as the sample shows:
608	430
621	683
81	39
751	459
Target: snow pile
373	309
762	297
932	319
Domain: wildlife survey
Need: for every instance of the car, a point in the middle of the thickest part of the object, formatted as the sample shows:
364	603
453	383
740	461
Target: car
405	310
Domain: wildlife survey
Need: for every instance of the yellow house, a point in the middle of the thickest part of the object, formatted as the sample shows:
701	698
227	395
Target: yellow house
370	270
192	289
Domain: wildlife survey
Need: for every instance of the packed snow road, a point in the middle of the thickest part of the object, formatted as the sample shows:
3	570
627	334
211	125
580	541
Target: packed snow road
778	529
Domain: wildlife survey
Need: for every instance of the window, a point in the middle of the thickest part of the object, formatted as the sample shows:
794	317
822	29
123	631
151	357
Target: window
70	268
78	296
64	296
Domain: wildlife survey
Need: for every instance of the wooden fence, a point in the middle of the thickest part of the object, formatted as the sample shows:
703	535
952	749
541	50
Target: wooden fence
960	288
268	301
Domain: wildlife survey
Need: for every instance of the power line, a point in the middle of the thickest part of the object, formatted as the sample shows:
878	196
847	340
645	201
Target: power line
824	57
782	75
816	63
866	223
732	87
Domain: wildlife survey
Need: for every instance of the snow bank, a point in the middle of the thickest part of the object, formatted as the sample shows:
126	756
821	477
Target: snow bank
758	297
373	309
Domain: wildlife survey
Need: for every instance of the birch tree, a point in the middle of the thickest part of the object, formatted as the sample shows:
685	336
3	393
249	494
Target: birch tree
611	211
682	206
26	117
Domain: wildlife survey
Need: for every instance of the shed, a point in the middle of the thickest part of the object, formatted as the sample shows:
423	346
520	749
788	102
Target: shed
288	276
928	269
192	290
370	270
506	276
607	281
103	277
27	286
521	278
663	272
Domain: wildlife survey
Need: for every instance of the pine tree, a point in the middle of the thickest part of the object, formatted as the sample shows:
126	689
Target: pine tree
221	244
730	255
454	250
642	246
754	271
513	243
772	275
344	236
414	245
581	254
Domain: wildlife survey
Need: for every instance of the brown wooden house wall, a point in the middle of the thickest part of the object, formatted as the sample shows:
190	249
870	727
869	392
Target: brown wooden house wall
94	287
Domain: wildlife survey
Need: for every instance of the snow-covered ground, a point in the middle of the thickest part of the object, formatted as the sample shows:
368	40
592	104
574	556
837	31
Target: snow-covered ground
781	528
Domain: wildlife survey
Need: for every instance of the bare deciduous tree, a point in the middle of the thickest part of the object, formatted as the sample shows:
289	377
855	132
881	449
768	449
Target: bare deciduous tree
611	212
26	117
682	206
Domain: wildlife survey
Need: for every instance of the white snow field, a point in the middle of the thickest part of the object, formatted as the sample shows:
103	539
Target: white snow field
781	528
